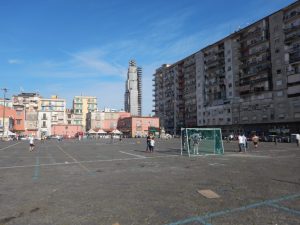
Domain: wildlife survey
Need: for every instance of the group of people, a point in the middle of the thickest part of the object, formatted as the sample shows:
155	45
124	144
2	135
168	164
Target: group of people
243	142
150	143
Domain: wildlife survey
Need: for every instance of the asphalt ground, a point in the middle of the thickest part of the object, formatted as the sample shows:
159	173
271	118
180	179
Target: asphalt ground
95	182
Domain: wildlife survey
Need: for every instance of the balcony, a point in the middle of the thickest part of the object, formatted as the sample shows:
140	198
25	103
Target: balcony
260	51
293	91
292	15
255	63
291	38
291	29
256	42
295	78
295	57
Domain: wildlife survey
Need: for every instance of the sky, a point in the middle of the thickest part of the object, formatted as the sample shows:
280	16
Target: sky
83	47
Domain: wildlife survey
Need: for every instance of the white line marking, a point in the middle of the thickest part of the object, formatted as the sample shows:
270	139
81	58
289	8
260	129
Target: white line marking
75	160
90	161
139	156
216	164
9	146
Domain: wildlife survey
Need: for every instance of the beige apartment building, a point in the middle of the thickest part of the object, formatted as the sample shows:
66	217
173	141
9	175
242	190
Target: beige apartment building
81	106
248	81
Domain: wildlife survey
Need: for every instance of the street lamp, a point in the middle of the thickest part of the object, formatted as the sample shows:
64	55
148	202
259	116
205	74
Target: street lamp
3	124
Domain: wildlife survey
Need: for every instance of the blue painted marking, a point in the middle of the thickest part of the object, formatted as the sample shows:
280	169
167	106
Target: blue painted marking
36	168
240	209
286	209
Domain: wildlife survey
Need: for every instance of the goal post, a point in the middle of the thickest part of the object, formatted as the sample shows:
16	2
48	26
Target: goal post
199	141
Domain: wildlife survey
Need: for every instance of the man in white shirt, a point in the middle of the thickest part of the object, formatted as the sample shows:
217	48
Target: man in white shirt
241	143
31	143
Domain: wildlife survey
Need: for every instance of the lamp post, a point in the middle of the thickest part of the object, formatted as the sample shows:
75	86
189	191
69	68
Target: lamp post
3	123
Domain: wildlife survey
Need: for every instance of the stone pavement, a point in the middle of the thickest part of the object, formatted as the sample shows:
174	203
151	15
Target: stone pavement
95	182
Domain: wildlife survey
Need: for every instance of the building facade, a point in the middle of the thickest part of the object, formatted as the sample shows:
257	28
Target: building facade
28	102
7	102
66	130
133	90
249	81
136	126
81	106
106	121
51	111
11	120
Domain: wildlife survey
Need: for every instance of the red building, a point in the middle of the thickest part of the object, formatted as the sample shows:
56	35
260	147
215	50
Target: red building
14	120
137	126
66	130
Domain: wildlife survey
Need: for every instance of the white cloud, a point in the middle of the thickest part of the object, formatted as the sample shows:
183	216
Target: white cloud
15	61
93	60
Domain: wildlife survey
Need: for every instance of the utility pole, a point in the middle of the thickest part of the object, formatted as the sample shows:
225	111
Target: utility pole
3	123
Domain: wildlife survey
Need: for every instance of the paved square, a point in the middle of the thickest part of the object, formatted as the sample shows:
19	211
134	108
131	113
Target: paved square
96	182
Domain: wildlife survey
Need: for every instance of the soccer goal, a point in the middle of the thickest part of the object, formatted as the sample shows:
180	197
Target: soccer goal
199	141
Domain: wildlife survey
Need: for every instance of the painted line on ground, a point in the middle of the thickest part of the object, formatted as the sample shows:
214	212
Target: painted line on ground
240	209
9	146
286	209
89	161
139	156
75	160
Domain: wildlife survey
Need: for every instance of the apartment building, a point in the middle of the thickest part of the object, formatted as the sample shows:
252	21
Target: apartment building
175	94
52	111
11	120
81	106
28	102
248	81
7	102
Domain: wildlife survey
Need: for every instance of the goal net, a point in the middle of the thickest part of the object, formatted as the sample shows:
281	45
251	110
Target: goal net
199	141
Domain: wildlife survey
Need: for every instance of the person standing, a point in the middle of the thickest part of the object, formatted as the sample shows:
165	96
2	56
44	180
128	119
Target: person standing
152	143
31	143
255	140
148	143
245	142
241	143
298	139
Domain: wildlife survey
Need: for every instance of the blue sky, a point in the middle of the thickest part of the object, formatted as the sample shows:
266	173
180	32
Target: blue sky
74	47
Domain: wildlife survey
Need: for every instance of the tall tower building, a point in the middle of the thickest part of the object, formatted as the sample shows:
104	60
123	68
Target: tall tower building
133	90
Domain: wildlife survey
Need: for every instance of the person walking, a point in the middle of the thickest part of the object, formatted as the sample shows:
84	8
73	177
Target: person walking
255	140
148	143
31	143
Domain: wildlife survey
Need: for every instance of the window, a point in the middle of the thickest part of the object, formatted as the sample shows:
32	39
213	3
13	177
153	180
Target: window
44	123
229	68
277	50
279	82
18	122
278	71
279	93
